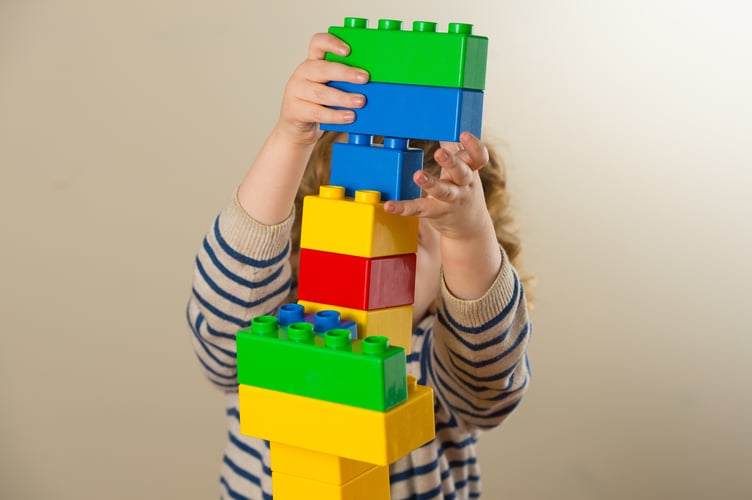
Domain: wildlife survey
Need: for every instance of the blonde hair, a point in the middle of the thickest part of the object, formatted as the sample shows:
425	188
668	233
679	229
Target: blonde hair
492	175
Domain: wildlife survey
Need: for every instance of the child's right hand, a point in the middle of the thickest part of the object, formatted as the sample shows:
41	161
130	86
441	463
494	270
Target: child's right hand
307	97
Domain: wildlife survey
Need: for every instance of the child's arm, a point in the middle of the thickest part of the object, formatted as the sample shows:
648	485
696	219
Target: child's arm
476	360
268	191
242	268
455	206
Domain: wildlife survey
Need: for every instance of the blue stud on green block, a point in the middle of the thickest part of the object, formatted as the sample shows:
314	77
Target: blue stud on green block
367	373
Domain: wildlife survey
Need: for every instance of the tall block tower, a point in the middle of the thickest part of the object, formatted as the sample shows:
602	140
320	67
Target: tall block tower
325	380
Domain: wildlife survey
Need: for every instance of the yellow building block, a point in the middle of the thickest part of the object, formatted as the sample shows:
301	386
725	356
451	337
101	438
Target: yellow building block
379	438
371	485
309	464
395	323
359	226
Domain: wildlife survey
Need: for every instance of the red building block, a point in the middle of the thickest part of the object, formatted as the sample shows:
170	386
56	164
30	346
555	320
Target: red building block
356	282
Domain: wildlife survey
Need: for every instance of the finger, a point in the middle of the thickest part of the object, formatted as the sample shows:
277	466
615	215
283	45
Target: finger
308	112
327	71
475	153
453	168
419	207
321	43
325	95
438	189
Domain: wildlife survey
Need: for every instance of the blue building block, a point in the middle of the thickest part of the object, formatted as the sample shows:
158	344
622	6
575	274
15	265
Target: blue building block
413	111
322	321
389	169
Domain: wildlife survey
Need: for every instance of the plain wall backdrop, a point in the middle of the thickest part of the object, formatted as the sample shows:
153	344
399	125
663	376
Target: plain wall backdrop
626	126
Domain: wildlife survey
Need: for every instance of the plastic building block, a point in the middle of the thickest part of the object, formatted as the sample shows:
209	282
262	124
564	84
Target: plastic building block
396	323
322	321
313	465
379	438
361	227
356	282
372	485
388	169
413	111
418	57
365	373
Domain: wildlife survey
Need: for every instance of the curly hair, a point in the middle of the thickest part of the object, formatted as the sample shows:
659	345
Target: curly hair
492	175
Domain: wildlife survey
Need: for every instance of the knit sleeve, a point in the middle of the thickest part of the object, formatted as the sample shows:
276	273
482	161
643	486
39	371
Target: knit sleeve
241	271
478	357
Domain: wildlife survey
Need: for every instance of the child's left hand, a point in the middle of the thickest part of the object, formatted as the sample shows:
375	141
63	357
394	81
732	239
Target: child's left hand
454	202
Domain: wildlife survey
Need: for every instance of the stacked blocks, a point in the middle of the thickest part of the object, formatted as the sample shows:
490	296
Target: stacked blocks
423	84
325	380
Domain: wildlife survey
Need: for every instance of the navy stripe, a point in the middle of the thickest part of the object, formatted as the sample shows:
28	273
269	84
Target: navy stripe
485	362
233	412
227	352
235	277
493	321
203	343
230	376
244	258
242	323
250	451
245	474
230	297
232	493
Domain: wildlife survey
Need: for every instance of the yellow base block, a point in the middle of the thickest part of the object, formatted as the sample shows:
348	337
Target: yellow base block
371	485
395	323
322	467
345	431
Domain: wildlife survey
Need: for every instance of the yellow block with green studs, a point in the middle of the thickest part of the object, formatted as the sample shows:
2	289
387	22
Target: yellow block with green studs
379	438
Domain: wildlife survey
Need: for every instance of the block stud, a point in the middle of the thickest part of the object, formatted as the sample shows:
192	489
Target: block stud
461	28
264	326
395	143
326	320
375	344
301	332
356	22
360	139
332	192
367	196
338	339
424	26
390	24
291	313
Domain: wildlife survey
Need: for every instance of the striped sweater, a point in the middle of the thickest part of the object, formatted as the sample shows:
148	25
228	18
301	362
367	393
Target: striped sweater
472	353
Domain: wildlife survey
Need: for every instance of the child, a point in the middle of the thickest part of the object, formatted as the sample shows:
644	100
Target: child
470	321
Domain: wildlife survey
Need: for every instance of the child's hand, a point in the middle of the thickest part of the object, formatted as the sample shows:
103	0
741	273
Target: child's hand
307	96
470	256
454	204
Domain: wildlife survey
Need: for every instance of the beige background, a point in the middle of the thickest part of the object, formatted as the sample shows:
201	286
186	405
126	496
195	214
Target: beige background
125	125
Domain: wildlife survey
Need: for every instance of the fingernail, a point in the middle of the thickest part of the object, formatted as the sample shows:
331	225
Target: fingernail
358	101
343	50
442	155
361	77
348	117
422	178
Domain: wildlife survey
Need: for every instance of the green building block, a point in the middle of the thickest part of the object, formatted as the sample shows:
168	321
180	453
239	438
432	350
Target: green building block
365	373
422	56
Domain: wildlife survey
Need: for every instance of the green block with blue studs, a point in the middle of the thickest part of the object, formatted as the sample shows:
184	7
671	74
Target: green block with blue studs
422	56
367	373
